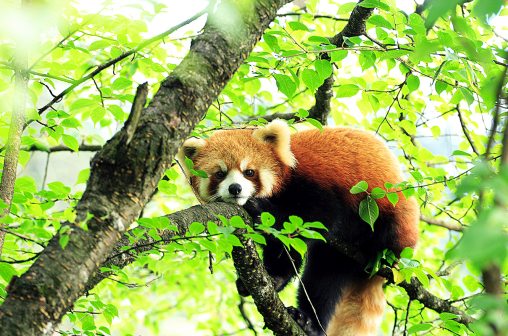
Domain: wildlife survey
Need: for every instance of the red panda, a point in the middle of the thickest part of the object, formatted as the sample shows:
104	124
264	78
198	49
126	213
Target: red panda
309	174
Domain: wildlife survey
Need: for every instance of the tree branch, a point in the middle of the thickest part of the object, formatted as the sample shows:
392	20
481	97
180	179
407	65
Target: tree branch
433	221
63	148
250	269
10	164
123	178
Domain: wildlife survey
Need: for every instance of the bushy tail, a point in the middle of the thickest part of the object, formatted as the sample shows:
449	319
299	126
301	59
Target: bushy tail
360	310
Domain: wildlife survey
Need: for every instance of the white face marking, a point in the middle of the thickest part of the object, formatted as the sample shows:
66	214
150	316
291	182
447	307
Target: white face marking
203	189
243	164
235	176
222	166
267	181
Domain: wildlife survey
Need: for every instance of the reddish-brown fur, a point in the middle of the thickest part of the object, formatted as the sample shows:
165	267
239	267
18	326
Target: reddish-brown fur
331	159
335	159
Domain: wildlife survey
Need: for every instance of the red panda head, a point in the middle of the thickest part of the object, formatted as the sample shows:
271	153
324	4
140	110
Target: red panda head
240	163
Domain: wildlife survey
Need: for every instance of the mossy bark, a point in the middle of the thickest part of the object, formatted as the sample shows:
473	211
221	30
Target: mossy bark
123	177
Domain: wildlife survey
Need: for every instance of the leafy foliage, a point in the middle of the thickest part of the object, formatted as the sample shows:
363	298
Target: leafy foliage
427	82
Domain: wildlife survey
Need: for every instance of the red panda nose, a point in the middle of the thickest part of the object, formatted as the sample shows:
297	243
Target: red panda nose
235	189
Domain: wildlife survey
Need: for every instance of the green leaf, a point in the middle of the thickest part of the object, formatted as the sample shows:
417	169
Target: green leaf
438	9
71	123
32	113
378	193
98	114
323	68
196	228
256	238
83	176
7	271
70	142
200	173
81	103
272	42
447	316
393	198
64	27
101	44
468	96
419	327
299	245
167	187
458	152
63	240
471	283
296	25
117	112
347	90
319	40
234	241
359	187
121	83
369	211
484	10
257	59
407	253
408	125
413	83
338	55
237	222
289	227
422	277
312	79
285	85
315	123
380	21
23	157
267	219
374	4
316	225
415	21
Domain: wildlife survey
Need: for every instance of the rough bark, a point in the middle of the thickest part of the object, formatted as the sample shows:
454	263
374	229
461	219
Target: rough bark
416	291
355	26
123	177
257	281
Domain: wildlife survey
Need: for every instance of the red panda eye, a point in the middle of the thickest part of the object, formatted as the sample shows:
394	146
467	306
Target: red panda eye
220	174
249	173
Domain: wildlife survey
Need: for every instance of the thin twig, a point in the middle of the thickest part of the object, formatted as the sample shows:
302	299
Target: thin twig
407	317
304	290
466	132
189	181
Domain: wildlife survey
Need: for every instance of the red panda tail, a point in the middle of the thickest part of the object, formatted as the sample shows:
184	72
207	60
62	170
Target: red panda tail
360	310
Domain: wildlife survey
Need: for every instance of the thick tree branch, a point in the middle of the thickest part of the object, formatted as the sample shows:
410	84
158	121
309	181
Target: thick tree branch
251	270
123	178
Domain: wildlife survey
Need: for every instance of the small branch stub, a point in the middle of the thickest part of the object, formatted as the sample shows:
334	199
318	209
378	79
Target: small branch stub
137	106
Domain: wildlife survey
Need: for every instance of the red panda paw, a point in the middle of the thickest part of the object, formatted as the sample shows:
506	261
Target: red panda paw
304	321
240	287
256	206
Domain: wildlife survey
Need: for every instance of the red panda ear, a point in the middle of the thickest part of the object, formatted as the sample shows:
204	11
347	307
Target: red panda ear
278	135
190	148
